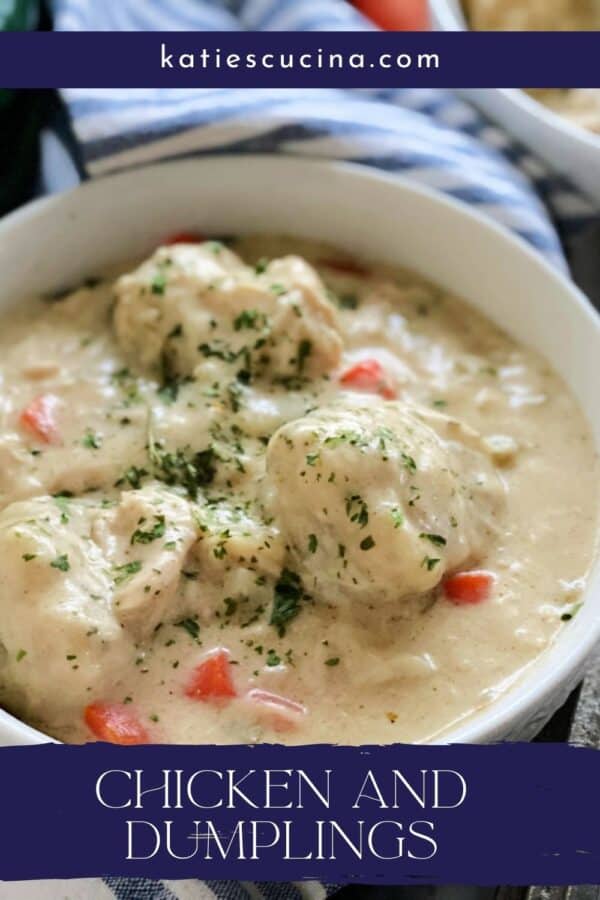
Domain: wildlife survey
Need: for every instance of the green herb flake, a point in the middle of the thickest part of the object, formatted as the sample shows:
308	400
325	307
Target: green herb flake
408	462
250	318
435	539
304	351
429	563
332	661
313	543
61	563
190	625
272	659
146	537
21	654
357	510
397	517
288	596
158	283
91	441
126	571
62	501
348	301
367	543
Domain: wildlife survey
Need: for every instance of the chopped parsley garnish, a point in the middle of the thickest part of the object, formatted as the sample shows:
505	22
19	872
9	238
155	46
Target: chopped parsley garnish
158	283
304	351
250	318
409	462
140	536
357	510
190	470
397	517
126	571
133	477
288	596
312	458
313	543
61	563
348	301
436	539
28	556
429	563
92	441
190	625
261	265
272	659
367	543
332	661
567	616
227	355
21	654
62	501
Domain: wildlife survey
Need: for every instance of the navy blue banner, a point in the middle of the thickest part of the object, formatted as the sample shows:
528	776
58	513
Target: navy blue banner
505	814
299	59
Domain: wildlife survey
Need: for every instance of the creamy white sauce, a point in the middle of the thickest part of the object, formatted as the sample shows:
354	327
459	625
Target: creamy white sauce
220	471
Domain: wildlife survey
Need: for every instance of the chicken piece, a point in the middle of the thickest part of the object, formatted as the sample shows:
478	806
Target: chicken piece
146	537
60	639
191	303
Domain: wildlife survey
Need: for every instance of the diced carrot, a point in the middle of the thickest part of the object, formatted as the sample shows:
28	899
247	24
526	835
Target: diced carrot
397	15
369	375
184	237
116	723
469	587
212	679
344	267
281	713
40	418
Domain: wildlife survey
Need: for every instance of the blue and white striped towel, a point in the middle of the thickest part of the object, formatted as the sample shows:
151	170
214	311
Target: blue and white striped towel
427	135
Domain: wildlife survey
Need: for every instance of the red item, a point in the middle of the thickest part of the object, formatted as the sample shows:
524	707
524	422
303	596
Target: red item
397	15
369	375
40	418
211	679
184	237
116	723
469	587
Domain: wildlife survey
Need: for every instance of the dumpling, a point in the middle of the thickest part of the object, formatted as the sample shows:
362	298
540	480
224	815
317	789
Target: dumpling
82	587
377	502
59	640
191	303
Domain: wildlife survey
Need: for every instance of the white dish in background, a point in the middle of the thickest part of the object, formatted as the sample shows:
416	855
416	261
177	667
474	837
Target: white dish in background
569	149
56	242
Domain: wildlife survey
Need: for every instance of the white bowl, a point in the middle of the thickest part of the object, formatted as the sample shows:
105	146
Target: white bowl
58	241
567	148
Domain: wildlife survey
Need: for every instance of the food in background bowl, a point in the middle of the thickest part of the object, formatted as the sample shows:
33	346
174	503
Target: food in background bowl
257	489
533	15
581	106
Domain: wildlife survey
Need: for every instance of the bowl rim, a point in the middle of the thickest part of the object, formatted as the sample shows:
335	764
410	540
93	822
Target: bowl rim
526	694
448	19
